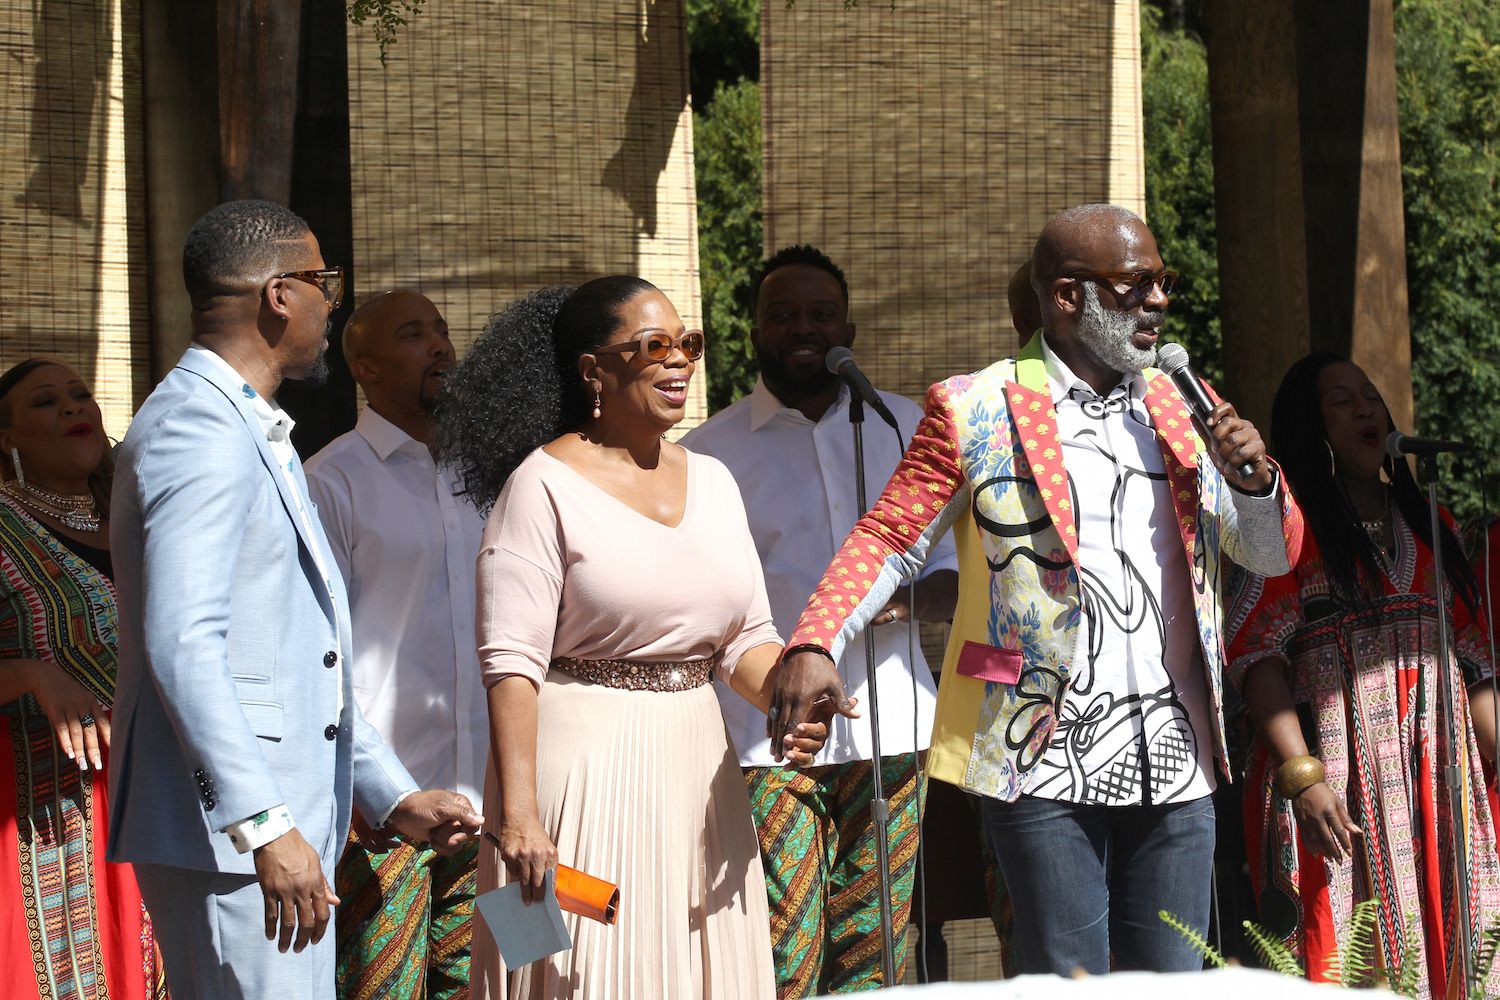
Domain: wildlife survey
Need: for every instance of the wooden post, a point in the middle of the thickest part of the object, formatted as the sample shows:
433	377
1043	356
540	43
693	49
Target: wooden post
1252	83
259	47
1307	178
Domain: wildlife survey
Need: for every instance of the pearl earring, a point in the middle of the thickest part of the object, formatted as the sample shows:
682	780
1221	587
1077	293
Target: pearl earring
596	404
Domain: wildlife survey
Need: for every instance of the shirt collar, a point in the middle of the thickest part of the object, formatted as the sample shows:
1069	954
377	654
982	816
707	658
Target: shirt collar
384	437
1063	379
765	406
275	422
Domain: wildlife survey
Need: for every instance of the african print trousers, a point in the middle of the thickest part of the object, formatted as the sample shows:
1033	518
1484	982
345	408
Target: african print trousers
404	922
818	848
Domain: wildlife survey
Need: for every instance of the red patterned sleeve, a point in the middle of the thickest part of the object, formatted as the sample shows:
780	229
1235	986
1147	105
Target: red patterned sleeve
889	545
1268	611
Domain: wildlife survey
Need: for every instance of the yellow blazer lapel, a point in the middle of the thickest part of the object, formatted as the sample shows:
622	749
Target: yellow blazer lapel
1029	399
1180	447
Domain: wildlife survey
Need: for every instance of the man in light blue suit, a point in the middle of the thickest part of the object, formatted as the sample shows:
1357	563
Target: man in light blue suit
238	747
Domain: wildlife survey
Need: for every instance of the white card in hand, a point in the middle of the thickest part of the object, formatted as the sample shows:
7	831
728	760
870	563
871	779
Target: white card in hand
525	933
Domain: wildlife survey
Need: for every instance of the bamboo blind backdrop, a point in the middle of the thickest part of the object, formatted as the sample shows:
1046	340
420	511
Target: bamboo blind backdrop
72	194
923	146
509	146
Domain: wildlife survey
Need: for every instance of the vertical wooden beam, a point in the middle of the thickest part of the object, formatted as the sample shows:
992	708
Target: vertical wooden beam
1356	228
179	85
1307	180
1252	82
259	44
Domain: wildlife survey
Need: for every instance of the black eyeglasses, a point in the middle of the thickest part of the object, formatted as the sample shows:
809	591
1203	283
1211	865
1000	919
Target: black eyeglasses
329	281
658	344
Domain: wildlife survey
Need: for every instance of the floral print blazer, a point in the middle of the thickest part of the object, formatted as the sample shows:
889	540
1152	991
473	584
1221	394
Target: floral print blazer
986	462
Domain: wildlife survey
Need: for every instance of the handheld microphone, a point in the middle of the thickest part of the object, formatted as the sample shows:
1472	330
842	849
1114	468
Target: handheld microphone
840	361
1398	445
1173	359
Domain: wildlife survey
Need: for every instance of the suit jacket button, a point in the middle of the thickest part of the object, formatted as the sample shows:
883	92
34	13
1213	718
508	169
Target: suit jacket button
331	732
330	658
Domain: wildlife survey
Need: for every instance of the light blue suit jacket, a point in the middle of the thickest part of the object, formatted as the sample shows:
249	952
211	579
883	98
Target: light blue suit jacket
227	696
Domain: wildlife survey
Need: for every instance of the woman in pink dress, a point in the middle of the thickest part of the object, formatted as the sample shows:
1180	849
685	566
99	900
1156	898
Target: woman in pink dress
617	578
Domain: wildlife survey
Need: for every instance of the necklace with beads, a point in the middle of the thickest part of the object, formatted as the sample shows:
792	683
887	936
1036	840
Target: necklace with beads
80	513
1376	531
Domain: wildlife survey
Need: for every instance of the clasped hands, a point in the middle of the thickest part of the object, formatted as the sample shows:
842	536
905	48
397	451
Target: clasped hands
806	695
298	897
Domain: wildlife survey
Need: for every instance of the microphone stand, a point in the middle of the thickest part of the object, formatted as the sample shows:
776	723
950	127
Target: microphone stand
880	814
1457	789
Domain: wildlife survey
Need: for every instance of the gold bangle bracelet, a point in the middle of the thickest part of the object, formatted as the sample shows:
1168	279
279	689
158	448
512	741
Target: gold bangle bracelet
1297	774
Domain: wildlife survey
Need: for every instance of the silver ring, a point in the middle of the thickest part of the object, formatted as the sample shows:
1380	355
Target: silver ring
86	721
774	713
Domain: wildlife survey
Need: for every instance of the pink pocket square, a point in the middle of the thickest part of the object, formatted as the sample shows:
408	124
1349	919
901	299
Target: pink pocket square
989	663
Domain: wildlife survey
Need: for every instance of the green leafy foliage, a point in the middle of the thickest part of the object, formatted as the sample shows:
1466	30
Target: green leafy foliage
1358	949
1180	183
1198	941
723	45
726	150
386	17
724	62
1448	88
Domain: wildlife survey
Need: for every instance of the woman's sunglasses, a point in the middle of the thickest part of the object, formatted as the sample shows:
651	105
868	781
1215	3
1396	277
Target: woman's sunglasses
658	344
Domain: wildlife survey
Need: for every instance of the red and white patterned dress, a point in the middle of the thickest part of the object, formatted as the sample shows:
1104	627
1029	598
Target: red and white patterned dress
72	926
1367	688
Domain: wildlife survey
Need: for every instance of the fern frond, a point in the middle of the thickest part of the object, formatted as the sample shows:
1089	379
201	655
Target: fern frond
1199	943
1405	985
1357	952
1272	950
1484	961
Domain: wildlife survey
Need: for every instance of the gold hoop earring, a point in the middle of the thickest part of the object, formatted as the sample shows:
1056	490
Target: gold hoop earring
1333	463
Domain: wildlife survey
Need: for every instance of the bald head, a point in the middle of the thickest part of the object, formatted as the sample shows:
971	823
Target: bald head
398	351
379	315
1084	238
1099	280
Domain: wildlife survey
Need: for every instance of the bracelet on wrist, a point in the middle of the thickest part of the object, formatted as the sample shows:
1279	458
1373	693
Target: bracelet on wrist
806	647
1297	774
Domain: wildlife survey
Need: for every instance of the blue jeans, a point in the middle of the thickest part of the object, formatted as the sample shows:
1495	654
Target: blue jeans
1087	880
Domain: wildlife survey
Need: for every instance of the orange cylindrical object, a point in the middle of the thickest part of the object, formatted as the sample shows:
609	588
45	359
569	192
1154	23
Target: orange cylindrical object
587	896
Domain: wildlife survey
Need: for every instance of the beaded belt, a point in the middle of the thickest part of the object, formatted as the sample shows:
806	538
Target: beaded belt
641	675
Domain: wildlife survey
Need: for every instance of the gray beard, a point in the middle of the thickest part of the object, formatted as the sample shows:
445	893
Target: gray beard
1105	333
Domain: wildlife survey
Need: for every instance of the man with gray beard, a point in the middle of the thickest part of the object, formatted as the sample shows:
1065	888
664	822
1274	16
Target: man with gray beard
1096	521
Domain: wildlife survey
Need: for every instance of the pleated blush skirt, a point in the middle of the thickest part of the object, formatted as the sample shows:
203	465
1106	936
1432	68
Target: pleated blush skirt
641	788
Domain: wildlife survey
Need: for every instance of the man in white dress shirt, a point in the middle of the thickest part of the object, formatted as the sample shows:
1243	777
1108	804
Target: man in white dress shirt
790	448
405	545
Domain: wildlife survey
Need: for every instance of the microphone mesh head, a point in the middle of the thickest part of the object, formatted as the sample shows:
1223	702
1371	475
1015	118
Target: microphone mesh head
1171	358
836	358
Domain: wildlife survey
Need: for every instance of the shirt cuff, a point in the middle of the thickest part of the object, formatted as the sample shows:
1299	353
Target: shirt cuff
399	799
260	829
1270	492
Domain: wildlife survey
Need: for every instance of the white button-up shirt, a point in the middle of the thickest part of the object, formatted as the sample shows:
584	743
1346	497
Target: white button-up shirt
1135	727
406	547
797	480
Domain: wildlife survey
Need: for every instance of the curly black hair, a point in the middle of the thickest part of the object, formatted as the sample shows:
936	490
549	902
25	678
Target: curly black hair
805	254
1300	444
519	386
238	243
